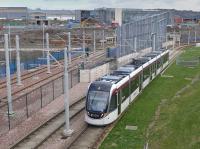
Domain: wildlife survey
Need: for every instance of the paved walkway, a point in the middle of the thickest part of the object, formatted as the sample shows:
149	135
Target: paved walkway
42	116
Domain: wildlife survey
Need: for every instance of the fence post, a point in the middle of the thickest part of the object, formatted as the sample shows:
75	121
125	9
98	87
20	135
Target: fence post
48	54
71	79
195	36
94	41
135	44
41	95
63	84
103	38
53	89
8	117
189	37
26	105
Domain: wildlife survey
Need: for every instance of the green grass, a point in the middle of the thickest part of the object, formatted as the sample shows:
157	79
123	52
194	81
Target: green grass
193	52
177	122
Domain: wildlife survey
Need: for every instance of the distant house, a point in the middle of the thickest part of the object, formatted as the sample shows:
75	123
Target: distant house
38	17
35	15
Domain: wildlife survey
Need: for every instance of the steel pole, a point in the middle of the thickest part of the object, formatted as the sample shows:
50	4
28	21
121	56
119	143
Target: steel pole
180	39
9	42
43	51
166	41
67	131
48	54
8	82
94	40
115	40
135	44
84	46
173	42
195	36
69	47
154	42
18	61
103	40
189	37
120	41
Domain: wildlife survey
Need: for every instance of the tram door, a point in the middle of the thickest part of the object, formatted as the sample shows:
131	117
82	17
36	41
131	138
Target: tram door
119	101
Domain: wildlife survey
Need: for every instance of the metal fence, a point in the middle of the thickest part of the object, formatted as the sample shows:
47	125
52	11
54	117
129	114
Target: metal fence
31	102
190	34
31	60
189	62
139	34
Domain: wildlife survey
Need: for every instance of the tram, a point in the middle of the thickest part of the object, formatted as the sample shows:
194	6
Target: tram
111	94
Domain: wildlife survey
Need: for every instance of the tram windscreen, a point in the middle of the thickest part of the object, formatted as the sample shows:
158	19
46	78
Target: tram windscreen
97	101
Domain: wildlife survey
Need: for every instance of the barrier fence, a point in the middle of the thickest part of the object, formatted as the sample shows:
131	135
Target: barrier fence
191	62
28	104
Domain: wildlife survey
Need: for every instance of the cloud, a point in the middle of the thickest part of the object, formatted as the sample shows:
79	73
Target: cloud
91	4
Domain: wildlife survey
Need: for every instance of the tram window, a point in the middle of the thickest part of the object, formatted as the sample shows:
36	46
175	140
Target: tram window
125	92
134	84
113	103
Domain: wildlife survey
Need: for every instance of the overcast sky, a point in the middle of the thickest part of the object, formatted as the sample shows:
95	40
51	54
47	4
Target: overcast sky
91	4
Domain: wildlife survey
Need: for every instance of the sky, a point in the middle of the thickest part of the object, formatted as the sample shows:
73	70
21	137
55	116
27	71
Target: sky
91	4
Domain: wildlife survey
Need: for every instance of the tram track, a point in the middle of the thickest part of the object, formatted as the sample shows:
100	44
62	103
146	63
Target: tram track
29	74
40	134
56	73
93	135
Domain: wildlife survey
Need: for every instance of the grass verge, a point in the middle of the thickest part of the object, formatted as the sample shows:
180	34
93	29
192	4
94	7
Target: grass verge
166	113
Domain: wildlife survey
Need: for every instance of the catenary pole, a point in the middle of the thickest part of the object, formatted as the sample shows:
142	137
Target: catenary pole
48	54
69	47
67	131
8	82
94	41
18	61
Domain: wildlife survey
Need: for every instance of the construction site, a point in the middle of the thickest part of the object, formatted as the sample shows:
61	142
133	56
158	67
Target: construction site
49	58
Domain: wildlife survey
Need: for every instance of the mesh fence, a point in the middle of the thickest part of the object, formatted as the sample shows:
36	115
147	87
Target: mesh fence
188	62
26	105
138	35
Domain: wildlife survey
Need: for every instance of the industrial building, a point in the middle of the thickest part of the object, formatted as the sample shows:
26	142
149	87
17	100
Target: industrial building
13	13
59	14
108	15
